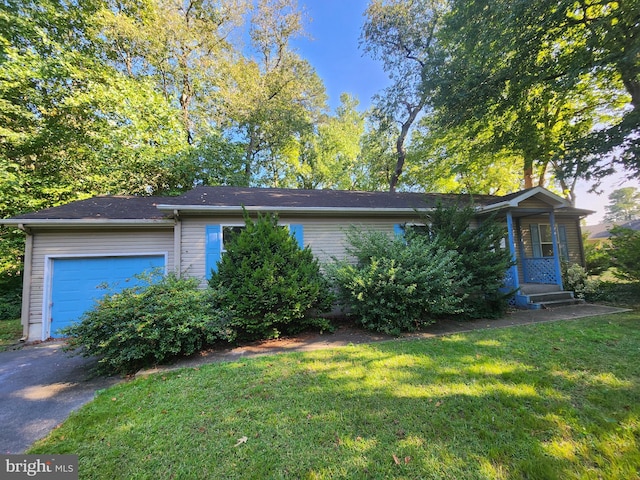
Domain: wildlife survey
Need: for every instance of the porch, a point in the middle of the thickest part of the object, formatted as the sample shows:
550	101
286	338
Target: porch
543	231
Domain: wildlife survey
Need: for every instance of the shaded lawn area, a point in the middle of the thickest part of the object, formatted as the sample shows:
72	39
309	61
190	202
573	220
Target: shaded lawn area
10	333
557	400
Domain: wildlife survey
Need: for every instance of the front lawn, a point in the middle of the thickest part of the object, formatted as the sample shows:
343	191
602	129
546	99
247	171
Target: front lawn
558	400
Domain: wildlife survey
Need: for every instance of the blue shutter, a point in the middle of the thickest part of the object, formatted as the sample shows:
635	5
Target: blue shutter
398	230
297	231
212	248
535	240
564	244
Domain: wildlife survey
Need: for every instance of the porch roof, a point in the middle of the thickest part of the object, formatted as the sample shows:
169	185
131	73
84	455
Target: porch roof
546	202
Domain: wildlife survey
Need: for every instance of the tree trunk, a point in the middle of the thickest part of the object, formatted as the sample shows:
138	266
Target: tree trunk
400	151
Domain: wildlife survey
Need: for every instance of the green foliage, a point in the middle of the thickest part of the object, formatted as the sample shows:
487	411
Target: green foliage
616	293
147	324
575	279
481	256
625	253
268	283
596	257
397	286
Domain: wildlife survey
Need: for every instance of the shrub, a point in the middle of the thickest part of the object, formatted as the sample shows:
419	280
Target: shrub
147	324
596	257
480	252
397	286
268	283
625	253
575	278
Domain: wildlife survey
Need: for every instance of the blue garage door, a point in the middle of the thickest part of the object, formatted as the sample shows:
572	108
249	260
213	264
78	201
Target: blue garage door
78	282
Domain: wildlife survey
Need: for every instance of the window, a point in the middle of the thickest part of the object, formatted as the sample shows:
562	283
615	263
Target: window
229	232
219	235
542	240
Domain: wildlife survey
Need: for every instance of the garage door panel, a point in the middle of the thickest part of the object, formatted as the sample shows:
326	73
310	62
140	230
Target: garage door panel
78	282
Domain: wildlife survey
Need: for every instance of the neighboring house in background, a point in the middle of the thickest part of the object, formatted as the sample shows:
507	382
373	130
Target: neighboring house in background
601	233
73	249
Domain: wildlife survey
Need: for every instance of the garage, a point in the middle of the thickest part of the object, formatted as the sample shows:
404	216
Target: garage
77	282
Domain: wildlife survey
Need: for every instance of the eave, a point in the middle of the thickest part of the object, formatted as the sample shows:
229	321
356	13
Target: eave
298	211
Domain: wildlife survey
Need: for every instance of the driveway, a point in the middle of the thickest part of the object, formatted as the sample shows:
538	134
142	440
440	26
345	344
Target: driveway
40	386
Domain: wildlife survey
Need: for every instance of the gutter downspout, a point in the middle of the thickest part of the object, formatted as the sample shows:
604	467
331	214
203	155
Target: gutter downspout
25	314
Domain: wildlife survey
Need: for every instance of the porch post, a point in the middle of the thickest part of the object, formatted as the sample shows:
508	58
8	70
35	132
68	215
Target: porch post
556	249
512	250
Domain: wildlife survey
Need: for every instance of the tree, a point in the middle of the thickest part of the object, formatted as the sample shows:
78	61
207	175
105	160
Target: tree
275	97
540	60
461	160
625	253
624	205
403	36
182	46
330	157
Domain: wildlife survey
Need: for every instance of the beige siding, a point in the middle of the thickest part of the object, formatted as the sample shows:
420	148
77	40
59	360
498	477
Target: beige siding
533	202
89	243
325	236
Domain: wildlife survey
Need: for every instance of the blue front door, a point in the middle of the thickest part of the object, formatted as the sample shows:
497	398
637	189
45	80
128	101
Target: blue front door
76	283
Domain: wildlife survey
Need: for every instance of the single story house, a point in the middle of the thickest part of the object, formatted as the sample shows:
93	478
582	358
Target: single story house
74	249
601	232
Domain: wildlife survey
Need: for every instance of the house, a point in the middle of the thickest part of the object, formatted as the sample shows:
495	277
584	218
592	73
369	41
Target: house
71	251
601	232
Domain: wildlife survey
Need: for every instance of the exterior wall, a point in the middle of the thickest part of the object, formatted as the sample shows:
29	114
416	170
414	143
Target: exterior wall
325	236
82	243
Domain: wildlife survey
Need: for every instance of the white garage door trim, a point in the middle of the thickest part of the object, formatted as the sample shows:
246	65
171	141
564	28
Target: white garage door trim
48	279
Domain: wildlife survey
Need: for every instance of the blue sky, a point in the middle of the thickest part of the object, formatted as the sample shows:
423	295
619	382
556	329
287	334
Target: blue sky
333	50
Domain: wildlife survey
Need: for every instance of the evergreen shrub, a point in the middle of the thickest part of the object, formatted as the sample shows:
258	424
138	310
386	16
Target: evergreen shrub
483	256
268	283
624	252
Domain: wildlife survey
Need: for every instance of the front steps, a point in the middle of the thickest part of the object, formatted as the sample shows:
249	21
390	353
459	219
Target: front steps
535	296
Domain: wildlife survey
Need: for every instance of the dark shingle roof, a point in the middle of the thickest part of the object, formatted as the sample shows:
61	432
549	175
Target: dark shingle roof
103	207
146	208
288	198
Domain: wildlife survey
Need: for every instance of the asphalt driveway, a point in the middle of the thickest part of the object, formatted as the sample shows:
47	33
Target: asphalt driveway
40	386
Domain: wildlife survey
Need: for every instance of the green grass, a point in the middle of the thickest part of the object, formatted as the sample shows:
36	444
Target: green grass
558	400
10	333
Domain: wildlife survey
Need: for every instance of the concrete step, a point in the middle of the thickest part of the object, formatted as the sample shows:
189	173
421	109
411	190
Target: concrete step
557	303
535	288
550	297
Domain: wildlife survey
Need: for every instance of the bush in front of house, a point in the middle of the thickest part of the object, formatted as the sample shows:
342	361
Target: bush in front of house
397	285
268	283
576	279
483	256
163	318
